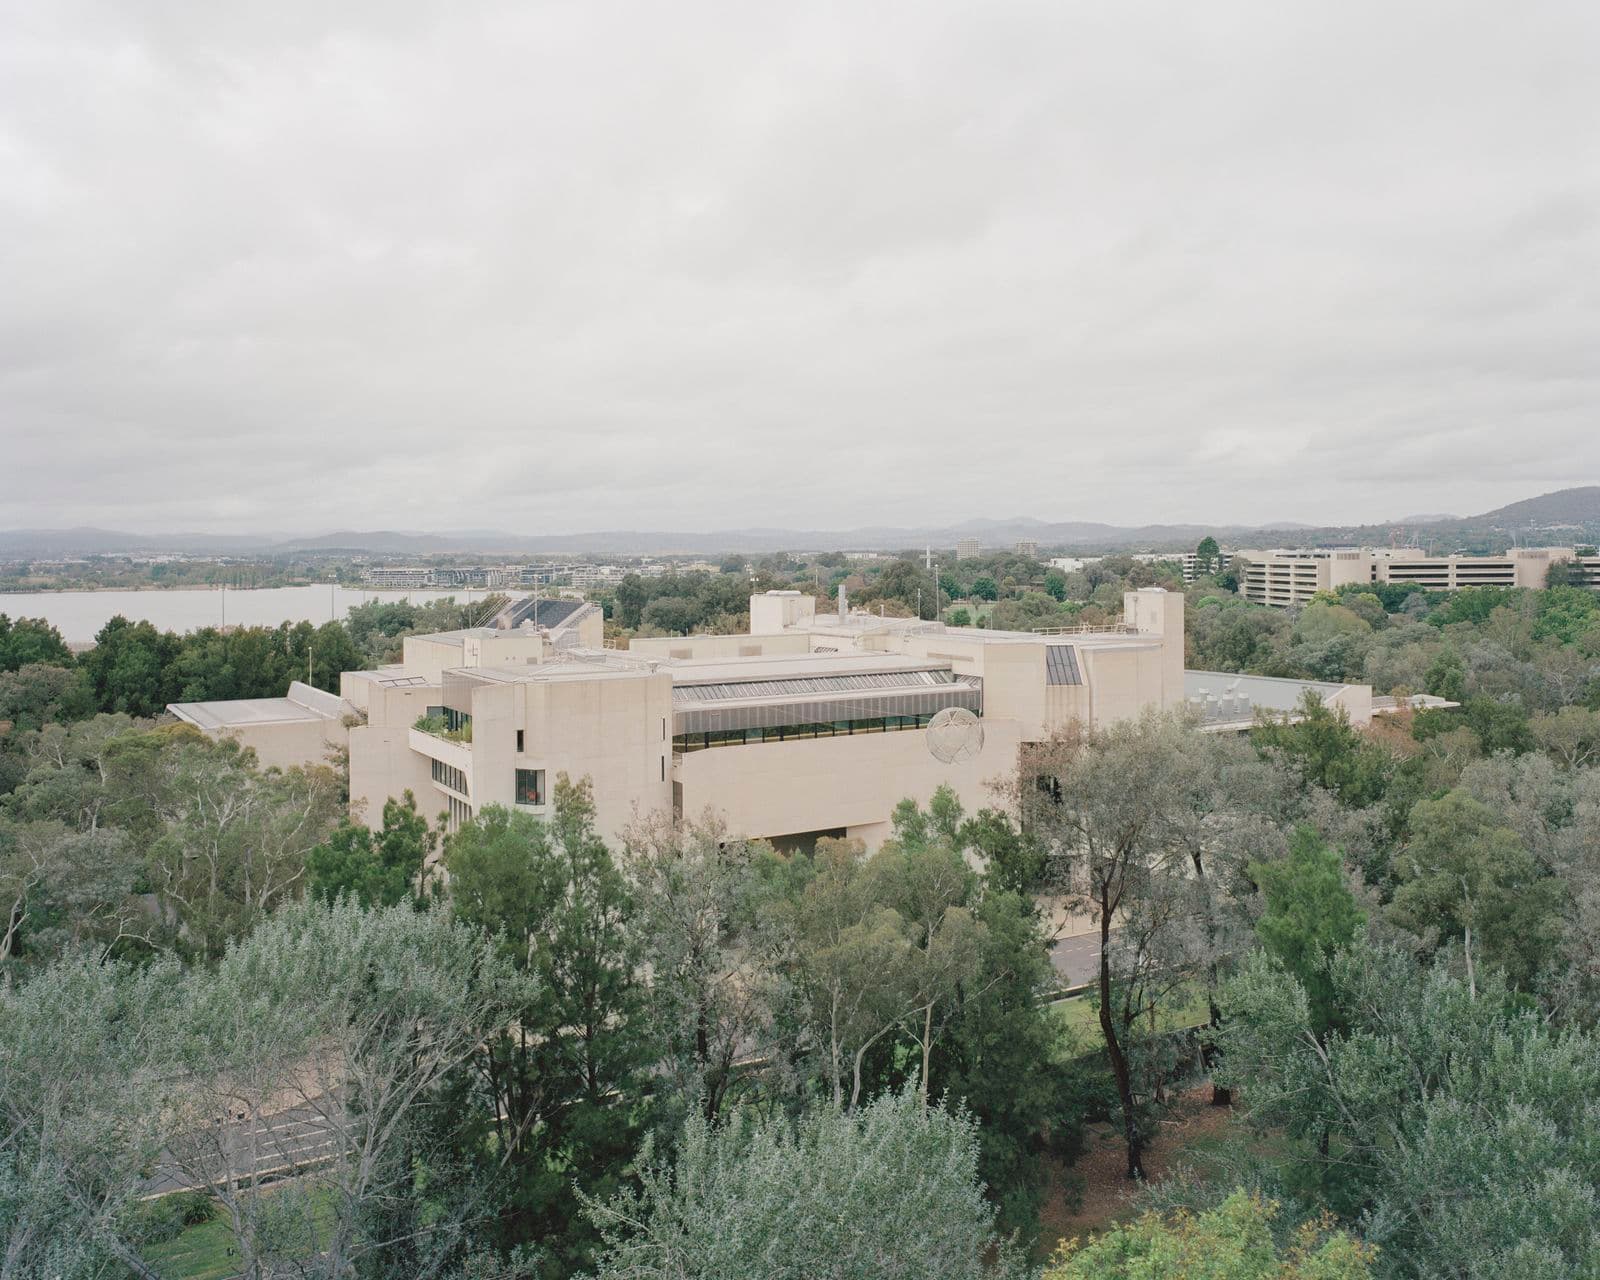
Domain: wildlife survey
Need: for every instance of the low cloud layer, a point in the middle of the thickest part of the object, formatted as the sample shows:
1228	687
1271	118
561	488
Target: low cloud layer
573	266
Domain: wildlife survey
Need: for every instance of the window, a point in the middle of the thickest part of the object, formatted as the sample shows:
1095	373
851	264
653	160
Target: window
530	786
450	776
519	742
785	733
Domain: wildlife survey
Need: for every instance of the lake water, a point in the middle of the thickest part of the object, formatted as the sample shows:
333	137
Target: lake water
79	615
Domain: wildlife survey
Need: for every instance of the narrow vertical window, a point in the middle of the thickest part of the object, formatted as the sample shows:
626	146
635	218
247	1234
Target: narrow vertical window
519	741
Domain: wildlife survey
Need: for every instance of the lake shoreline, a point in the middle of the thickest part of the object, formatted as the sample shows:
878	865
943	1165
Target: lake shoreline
80	613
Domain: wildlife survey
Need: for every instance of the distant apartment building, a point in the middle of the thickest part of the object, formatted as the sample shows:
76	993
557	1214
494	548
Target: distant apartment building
1289	578
583	575
1073	564
1187	561
1028	547
968	549
592	577
393	577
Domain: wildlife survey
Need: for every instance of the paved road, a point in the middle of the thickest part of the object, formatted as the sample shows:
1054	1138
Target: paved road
1077	960
268	1146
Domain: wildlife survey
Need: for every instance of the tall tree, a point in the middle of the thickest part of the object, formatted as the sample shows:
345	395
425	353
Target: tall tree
1310	913
382	869
357	1022
1463	876
712	997
566	1076
31	640
849	955
888	1192
1102	802
234	841
85	1081
129	668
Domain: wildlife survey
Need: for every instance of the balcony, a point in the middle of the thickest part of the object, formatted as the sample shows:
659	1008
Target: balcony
436	746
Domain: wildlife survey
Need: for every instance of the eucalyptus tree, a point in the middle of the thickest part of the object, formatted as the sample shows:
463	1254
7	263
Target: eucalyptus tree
62	889
233	840
1102	802
1460	1125
566	1074
850	958
1463	876
887	1192
323	1044
714	996
85	1072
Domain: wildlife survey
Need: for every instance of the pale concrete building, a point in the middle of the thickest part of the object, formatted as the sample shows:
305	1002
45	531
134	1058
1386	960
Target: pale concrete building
1289	578
306	726
968	548
811	724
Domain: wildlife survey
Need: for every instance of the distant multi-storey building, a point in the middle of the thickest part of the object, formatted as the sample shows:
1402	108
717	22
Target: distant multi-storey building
1288	578
1028	547
584	575
1187	561
968	549
394	577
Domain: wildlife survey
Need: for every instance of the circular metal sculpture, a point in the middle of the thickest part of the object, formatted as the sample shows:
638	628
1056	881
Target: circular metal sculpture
954	735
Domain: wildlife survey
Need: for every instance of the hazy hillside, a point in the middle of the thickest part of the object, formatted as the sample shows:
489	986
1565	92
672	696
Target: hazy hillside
1580	506
1567	515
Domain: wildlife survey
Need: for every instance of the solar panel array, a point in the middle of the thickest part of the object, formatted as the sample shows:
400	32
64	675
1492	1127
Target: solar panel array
1061	665
542	613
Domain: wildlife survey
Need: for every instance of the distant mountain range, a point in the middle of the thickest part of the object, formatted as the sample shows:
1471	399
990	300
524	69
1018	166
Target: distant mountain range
1565	516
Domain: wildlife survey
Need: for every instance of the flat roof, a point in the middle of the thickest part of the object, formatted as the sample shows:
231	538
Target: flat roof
788	666
390	677
549	671
303	705
1272	693
860	624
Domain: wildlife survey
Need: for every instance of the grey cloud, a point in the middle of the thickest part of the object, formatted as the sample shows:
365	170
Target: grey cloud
590	265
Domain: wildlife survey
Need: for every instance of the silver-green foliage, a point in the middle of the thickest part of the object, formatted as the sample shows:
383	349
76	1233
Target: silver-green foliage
81	1114
349	1021
353	1020
1461	1127
889	1192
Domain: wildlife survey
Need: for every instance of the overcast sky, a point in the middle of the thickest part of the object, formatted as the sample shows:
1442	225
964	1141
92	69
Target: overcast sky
318	264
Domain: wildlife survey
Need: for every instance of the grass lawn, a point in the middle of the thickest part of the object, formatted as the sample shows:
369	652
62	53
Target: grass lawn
1080	1018
207	1252
204	1252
